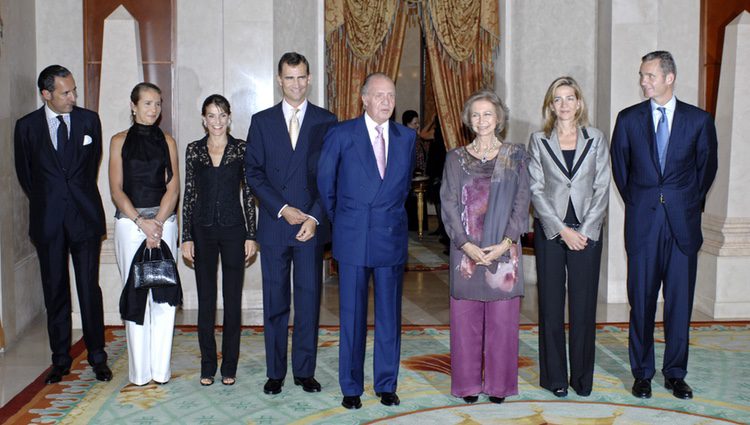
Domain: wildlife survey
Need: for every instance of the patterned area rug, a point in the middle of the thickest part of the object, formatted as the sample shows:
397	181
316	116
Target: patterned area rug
719	356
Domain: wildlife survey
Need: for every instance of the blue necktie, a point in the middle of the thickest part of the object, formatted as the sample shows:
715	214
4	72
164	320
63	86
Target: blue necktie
662	137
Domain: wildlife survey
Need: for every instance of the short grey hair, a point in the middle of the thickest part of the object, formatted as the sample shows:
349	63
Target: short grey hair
490	96
666	61
369	77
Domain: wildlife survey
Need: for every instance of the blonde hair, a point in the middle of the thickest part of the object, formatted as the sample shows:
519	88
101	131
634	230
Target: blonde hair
582	115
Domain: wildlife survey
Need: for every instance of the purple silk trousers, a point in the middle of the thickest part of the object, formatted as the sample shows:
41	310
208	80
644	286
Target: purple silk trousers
484	347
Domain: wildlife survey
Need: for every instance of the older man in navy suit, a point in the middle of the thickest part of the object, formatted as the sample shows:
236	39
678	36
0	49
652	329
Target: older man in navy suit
58	150
663	161
364	177
283	146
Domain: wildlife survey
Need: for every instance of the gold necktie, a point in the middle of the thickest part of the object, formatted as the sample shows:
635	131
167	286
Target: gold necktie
294	128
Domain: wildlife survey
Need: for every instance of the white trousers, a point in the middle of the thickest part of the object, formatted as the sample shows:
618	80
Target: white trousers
150	344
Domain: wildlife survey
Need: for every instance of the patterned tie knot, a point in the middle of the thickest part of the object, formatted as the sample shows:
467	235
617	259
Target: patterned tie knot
663	111
379	129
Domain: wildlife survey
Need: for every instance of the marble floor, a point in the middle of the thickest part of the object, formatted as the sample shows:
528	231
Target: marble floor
425	302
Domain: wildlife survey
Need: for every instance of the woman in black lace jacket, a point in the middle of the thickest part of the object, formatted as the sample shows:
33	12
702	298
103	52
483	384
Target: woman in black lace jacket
213	223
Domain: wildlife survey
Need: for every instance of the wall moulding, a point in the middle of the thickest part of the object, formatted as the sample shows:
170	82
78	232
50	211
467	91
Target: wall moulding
726	237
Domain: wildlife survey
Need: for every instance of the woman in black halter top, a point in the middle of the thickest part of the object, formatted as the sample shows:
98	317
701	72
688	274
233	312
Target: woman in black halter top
145	186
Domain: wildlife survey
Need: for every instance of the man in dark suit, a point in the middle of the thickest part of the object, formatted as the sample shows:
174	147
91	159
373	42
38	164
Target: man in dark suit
58	150
283	146
663	161
364	177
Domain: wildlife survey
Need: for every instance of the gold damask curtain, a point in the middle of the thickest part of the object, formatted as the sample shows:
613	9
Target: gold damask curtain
362	36
461	36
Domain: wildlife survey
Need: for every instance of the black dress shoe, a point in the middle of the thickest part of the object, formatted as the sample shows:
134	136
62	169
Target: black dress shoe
642	388
388	399
471	399
560	392
310	385
273	386
679	388
102	372
351	402
56	374
497	400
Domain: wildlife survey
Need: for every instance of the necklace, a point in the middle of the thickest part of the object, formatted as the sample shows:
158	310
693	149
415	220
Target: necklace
490	148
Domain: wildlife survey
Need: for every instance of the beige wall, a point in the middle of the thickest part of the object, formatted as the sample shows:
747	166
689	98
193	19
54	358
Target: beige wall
20	287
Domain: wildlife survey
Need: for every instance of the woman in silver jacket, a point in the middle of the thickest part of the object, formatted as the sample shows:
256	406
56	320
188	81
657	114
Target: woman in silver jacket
570	176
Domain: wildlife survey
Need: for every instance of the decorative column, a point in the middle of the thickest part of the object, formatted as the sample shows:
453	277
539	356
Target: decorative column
122	69
724	260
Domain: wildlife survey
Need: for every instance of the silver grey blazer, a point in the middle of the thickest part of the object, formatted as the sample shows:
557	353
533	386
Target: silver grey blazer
552	184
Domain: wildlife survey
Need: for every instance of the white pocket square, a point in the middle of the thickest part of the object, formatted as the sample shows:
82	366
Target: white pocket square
87	140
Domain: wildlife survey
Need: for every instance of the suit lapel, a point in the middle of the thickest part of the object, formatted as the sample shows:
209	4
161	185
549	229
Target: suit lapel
76	138
675	134
394	156
580	146
282	142
552	147
554	144
363	146
647	122
47	148
299	153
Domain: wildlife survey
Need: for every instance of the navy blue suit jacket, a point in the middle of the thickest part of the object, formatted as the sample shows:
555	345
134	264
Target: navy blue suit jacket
689	170
368	214
55	188
278	175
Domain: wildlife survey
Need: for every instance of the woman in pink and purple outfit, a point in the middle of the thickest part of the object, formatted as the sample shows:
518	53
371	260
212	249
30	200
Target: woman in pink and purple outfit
485	207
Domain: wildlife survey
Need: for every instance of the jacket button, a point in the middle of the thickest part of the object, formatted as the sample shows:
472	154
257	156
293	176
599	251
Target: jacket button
568	184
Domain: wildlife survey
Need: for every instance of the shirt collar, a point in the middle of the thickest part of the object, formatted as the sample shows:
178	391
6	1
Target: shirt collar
669	106
371	124
51	115
289	109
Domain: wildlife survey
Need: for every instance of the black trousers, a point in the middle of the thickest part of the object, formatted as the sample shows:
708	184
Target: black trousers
53	262
210	242
553	262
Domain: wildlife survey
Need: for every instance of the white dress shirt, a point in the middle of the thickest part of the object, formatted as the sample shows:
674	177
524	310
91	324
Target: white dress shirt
53	123
289	111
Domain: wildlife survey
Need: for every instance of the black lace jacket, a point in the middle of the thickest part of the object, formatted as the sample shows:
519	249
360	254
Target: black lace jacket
211	192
